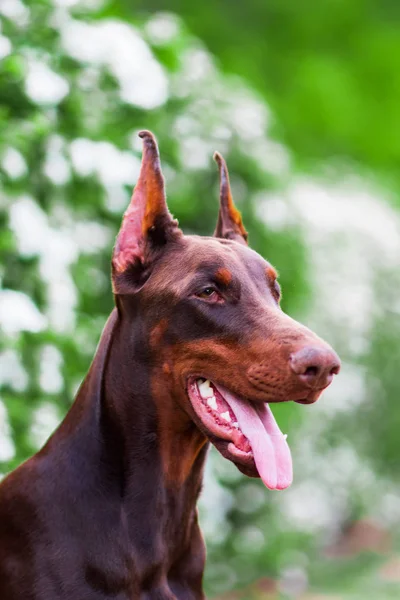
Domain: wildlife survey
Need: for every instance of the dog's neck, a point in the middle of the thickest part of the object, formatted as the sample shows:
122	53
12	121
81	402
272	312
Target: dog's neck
141	412
137	467
148	461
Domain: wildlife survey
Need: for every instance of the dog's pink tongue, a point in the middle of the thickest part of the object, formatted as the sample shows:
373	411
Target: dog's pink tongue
270	449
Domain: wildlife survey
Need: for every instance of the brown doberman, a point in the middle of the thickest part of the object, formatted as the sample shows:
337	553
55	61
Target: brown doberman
195	350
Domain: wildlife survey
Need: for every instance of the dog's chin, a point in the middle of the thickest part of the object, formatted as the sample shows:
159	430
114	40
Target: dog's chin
244	463
243	431
216	420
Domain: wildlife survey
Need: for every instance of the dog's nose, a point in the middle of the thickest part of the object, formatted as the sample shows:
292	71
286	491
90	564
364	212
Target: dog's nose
315	366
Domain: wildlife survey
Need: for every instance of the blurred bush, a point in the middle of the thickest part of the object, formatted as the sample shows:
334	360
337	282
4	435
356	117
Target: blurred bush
302	102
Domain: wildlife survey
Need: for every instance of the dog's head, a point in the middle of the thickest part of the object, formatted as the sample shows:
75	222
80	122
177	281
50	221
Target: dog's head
217	337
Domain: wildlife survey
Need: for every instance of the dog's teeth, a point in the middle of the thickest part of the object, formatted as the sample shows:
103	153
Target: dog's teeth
226	416
212	402
205	389
285	436
236	424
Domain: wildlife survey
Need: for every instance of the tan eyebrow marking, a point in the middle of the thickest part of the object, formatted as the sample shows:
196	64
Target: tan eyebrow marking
223	276
271	273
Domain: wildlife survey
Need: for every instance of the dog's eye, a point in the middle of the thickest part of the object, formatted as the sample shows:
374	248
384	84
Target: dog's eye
207	292
210	294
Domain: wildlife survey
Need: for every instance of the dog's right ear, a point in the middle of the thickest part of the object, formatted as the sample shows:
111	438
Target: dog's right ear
230	225
147	225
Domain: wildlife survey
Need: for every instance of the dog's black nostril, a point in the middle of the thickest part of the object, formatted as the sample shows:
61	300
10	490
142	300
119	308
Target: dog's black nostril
311	372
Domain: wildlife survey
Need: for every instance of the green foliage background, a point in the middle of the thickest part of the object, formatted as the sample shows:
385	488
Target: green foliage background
303	101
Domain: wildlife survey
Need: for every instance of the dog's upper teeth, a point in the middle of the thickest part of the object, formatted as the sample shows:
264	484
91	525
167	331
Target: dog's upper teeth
285	436
226	416
205	389
212	402
236	424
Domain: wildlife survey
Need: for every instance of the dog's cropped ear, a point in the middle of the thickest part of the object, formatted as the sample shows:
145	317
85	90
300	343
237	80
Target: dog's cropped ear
229	225
147	225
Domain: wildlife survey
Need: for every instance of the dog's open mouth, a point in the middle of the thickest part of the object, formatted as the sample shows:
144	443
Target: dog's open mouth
248	432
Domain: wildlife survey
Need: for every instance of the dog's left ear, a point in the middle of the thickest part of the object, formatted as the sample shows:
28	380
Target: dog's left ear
229	225
147	225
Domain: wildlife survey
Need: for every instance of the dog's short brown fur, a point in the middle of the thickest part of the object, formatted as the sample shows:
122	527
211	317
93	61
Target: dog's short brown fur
107	509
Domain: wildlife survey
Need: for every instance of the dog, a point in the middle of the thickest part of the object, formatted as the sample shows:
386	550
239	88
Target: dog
195	350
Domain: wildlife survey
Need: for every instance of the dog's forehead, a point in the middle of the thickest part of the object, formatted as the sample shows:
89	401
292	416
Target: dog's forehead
210	255
224	251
